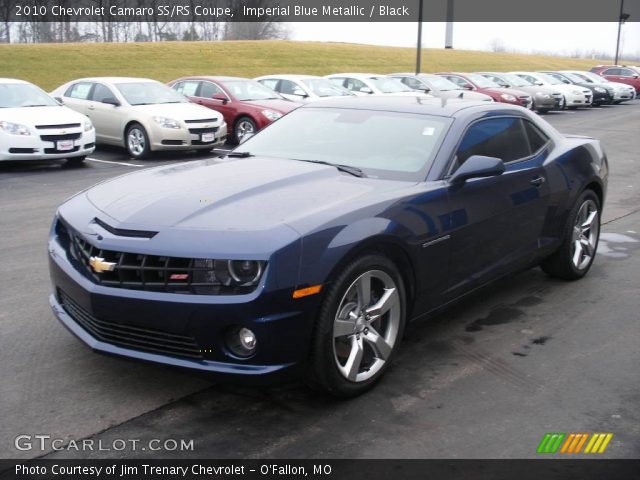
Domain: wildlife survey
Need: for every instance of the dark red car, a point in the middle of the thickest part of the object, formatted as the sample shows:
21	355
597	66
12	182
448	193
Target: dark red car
479	83
246	105
621	74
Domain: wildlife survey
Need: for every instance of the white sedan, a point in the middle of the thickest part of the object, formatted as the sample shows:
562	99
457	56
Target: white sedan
373	84
574	95
303	88
33	126
143	115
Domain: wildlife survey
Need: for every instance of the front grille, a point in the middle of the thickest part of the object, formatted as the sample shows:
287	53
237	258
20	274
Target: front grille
128	336
172	142
200	131
57	138
89	145
23	150
55	150
64	125
204	120
137	271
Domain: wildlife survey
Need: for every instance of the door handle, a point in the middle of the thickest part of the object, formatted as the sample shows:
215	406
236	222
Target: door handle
536	182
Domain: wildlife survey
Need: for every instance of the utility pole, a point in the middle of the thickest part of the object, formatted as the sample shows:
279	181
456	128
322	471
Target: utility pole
448	37
621	19
419	46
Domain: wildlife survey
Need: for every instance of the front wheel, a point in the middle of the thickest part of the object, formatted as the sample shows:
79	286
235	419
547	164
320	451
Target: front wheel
137	141
581	234
244	126
359	327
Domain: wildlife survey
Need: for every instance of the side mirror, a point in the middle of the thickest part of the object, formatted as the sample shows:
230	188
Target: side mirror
467	86
426	89
635	75
111	101
477	166
220	96
59	100
298	92
566	81
539	83
366	90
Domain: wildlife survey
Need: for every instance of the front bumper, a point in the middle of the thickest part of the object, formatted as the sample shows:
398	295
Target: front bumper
185	331
544	102
577	100
192	137
45	145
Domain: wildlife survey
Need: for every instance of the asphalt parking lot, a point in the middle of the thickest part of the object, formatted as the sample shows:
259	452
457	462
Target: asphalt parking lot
485	379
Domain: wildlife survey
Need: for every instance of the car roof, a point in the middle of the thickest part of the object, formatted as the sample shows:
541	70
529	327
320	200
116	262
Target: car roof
213	78
409	74
287	76
12	80
357	75
409	104
113	79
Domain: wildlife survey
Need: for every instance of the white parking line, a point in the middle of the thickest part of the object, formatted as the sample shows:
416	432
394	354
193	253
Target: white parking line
118	163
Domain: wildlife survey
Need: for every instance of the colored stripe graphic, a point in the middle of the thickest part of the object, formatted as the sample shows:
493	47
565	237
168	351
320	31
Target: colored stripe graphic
598	443
574	442
551	442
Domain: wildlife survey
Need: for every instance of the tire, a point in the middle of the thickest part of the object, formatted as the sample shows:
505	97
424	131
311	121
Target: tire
243	126
347	364
563	106
136	141
75	161
582	231
544	110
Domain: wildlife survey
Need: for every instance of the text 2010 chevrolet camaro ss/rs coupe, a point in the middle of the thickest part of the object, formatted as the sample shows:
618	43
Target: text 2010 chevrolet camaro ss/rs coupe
308	249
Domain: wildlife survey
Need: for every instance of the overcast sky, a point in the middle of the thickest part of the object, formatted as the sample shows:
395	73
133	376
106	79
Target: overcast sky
561	38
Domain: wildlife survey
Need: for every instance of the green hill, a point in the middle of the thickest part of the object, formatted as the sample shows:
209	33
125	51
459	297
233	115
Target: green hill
50	65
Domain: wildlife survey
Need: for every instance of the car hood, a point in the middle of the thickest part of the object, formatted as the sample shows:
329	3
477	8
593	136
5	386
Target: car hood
511	91
282	106
466	94
56	115
178	111
254	194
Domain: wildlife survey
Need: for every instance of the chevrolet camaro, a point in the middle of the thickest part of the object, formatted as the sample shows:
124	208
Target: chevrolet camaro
308	249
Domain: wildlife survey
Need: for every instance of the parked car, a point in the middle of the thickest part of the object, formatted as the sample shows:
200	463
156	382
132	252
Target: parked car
372	84
617	73
303	88
142	115
438	86
574	96
34	126
472	81
600	95
544	98
621	91
306	251
247	106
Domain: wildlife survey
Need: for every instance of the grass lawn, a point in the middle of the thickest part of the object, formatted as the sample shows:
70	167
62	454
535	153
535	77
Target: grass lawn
49	65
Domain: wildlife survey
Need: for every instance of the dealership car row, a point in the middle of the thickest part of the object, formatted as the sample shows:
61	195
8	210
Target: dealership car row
200	112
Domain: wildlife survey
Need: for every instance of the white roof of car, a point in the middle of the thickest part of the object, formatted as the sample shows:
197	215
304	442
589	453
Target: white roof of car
357	75
113	79
11	80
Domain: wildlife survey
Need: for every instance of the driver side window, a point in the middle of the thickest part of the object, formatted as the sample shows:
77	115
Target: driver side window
354	84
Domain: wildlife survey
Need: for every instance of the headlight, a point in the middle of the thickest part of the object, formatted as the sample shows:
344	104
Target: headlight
228	273
87	125
271	115
15	128
508	98
543	95
165	122
600	89
576	92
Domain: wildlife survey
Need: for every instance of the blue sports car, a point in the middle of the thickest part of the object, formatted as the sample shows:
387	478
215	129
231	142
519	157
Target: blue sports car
307	250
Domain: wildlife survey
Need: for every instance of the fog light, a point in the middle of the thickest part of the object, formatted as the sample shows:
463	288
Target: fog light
242	342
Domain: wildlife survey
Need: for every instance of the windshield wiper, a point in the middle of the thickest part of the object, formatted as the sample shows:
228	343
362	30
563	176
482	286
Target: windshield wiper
355	171
239	154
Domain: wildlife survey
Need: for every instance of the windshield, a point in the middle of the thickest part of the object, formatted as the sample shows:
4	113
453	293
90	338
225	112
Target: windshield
573	78
149	93
549	79
15	95
584	78
324	88
387	145
389	85
480	81
516	81
439	83
594	77
245	90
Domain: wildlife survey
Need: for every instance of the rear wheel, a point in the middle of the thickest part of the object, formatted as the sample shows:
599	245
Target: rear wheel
581	234
137	141
360	324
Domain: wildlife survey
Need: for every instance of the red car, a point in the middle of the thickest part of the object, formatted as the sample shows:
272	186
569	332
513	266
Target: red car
246	105
479	83
621	74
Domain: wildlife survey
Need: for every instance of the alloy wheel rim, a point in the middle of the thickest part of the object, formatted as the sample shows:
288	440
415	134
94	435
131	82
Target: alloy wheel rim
136	141
585	235
366	325
244	128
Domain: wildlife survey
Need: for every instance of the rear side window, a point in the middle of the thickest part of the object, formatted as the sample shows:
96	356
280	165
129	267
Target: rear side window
288	87
354	84
80	91
461	82
412	83
502	138
537	139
